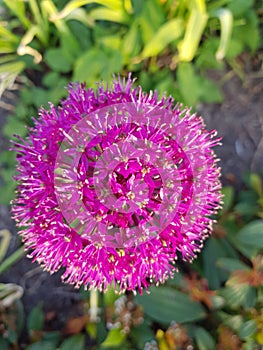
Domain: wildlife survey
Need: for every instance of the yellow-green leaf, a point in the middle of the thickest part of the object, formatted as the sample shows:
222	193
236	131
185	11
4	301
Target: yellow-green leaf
107	14
5	240
166	34
18	8
74	4
114	338
6	34
8	73
194	30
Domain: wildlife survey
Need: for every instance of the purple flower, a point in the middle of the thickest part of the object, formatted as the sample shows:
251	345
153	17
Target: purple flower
115	186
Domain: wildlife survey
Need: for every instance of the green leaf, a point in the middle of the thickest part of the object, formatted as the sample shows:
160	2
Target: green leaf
112	65
5	237
106	14
52	337
7	192
177	280
70	46
20	315
89	66
7	35
245	249
240	7
209	91
111	11
14	126
91	329
59	91
41	97
56	60
85	40
110	296
203	339
206	54
248	206
96	64
50	79
194	30
7	158
149	25
7	174
42	345
188	83
6	47
166	34
101	332
114	338
239	295
252	234
231	265
81	15
233	322
166	85
228	198
7	58
235	48
166	304
12	259
142	334
75	342
4	343
18	8
131	42
256	183
74	4
249	32
36	319
8	73
214	249
109	42
247	329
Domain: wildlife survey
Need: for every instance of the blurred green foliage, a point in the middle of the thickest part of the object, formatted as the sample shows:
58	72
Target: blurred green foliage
165	43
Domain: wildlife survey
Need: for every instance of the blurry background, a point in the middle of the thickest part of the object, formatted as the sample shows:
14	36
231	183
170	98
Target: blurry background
206	54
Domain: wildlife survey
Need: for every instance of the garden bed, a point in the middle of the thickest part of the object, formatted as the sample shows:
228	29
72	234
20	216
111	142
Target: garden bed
239	122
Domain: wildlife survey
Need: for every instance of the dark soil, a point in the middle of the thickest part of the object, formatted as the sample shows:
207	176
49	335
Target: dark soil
239	121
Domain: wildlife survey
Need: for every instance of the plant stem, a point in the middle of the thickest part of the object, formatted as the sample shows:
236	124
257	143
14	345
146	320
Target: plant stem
93	305
12	259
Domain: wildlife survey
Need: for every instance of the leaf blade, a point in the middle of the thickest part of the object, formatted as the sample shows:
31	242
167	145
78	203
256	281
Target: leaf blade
167	304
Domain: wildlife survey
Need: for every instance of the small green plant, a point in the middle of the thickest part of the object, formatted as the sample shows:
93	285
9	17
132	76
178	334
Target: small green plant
90	40
25	33
11	308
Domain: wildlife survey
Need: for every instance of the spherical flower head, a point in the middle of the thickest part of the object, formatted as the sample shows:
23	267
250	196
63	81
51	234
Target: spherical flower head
115	185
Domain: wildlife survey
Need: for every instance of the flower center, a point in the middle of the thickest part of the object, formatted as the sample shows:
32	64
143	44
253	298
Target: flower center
131	180
136	182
